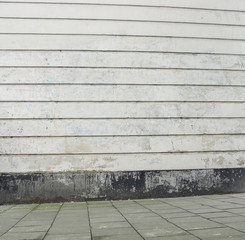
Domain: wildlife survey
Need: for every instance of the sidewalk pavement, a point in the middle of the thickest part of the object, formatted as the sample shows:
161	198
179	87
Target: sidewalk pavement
187	218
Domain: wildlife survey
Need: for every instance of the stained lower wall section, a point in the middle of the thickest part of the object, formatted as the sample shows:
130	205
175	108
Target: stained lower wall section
81	186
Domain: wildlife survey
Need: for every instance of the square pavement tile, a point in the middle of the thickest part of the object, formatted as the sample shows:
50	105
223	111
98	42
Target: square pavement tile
216	233
230	219
152	225
106	220
69	230
178	237
67	237
113	231
217	215
198	225
118	237
110	225
177	215
237	225
205	210
187	219
44	222
236	210
25	229
149	219
162	232
23	236
224	206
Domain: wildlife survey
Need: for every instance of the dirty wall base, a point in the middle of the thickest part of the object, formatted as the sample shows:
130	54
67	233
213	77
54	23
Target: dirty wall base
81	186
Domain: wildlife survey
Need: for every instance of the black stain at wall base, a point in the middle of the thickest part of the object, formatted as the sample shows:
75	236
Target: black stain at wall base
56	187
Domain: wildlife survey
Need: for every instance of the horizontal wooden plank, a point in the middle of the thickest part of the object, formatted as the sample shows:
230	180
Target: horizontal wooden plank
121	60
120	93
51	26
237	5
82	127
62	11
122	162
120	76
119	110
102	145
113	43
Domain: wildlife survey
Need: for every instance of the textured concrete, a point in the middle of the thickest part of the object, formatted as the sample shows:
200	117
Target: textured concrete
80	186
187	218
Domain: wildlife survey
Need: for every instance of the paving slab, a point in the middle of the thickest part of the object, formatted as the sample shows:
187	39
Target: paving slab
230	219
187	218
25	229
237	225
178	237
167	231
176	215
118	237
110	225
199	225
67	237
217	215
24	236
216	233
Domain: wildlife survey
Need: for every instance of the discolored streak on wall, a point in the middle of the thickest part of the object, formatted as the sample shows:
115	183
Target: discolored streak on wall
56	187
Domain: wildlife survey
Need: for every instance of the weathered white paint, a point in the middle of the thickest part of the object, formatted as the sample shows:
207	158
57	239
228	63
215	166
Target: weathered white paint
122	85
88	127
29	110
113	12
102	145
120	162
120	60
120	93
122	43
238	5
121	76
46	26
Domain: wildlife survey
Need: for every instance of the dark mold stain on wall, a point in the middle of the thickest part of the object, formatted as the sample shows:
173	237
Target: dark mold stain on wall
56	187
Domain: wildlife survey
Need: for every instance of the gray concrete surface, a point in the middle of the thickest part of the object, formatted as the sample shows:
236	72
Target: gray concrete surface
186	218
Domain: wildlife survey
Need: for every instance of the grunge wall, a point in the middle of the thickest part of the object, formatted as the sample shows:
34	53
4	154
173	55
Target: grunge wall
127	88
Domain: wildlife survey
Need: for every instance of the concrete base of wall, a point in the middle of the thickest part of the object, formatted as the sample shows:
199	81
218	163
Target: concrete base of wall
81	186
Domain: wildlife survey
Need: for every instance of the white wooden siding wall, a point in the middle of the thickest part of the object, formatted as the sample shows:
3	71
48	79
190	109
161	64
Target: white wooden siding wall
122	85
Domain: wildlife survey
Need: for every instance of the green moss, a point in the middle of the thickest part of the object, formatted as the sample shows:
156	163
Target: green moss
75	205
99	203
48	206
